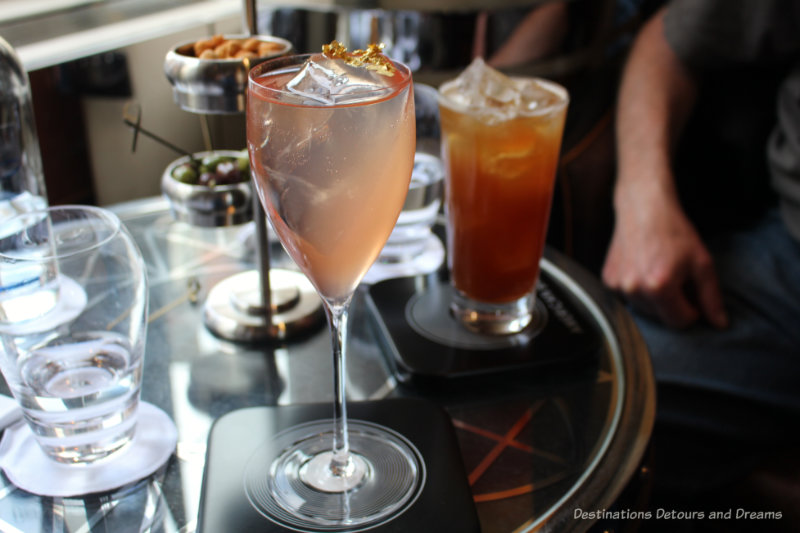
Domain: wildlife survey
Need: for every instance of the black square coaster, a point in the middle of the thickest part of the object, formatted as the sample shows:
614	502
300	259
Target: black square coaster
444	504
427	346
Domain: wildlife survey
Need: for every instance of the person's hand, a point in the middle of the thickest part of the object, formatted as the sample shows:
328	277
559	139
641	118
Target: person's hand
658	262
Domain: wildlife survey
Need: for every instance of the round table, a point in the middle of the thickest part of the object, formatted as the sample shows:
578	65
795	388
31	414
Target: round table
536	445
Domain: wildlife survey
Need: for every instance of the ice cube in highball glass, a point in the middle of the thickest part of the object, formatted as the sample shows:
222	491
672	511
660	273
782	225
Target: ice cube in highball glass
537	99
485	91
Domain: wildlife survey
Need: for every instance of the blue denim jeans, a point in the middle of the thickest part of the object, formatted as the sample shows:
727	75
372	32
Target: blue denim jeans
728	398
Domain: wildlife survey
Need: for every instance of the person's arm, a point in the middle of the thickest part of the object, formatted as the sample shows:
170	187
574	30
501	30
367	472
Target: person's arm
656	258
538	36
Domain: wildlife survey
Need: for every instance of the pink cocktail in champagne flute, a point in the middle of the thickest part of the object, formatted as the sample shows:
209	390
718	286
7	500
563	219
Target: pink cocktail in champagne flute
331	139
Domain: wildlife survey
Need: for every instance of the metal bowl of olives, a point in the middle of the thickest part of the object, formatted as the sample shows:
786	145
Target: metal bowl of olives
210	189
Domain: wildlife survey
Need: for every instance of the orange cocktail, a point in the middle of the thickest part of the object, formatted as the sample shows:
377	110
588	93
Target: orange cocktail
501	156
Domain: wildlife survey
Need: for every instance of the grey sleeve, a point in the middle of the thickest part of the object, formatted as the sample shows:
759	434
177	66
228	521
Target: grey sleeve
713	34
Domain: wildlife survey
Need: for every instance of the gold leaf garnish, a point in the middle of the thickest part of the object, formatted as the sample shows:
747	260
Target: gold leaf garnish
372	58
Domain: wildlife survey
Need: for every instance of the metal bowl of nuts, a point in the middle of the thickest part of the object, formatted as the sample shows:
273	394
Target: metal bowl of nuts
209	76
210	189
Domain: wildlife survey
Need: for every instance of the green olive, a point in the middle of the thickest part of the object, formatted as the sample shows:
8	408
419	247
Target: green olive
243	162
185	173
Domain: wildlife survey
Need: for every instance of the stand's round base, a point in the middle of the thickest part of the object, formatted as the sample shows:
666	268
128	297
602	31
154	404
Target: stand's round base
233	309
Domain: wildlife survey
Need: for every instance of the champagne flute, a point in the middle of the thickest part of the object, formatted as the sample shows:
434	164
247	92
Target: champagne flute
332	165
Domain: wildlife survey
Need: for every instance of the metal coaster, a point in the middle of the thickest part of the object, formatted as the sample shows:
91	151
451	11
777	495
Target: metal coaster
428	313
427	345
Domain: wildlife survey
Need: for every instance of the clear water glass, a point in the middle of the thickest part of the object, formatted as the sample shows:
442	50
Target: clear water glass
73	318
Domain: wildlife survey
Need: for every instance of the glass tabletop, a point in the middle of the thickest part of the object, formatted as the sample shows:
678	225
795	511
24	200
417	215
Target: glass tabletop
535	445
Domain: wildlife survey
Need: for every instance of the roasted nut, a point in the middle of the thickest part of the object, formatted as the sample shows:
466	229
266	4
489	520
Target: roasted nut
207	44
266	48
228	48
251	45
218	47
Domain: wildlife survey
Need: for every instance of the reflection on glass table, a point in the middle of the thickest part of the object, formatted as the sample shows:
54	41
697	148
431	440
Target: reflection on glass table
536	444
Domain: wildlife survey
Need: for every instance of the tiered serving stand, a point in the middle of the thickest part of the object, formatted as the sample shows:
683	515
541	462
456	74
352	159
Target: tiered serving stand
255	305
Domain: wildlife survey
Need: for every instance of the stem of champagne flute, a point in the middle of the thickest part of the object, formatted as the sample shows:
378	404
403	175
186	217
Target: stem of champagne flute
341	463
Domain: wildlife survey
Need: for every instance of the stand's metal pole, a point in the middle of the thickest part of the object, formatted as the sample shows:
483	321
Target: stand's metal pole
262	257
259	216
251	20
263	303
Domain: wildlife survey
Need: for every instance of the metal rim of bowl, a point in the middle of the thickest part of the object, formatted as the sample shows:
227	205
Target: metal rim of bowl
204	206
214	86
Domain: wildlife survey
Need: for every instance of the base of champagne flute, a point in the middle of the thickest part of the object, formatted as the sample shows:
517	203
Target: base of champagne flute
291	484
318	474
